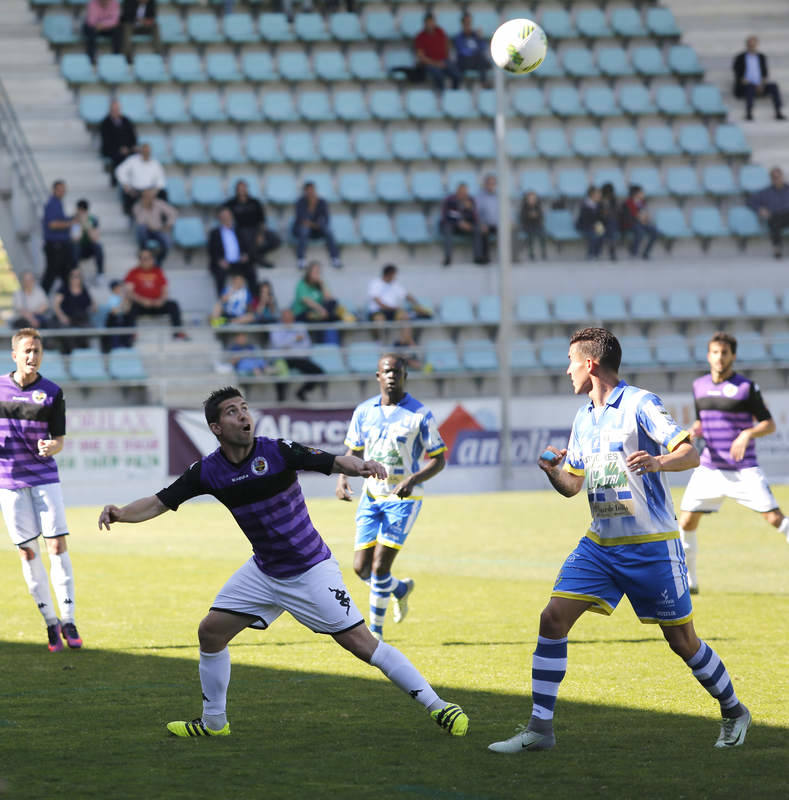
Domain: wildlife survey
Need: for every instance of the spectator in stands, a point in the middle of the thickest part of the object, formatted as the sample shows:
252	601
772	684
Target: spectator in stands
118	138
471	50
244	362
250	216
459	218
138	172
139	17
750	78
153	222
636	220
30	304
85	238
590	223
609	214
119	315
488	211
312	301
57	238
226	252
533	222
772	205
292	338
102	18
235	304
74	308
312	222
387	298
432	54
265	308
149	294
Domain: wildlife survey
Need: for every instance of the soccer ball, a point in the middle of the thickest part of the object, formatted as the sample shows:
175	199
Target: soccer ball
518	46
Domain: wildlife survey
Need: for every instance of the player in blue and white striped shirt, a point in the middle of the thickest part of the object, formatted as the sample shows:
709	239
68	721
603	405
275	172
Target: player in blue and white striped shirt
621	443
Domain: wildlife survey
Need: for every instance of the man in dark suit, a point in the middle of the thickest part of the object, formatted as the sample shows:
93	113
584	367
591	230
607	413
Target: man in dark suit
750	78
312	222
227	251
118	137
139	16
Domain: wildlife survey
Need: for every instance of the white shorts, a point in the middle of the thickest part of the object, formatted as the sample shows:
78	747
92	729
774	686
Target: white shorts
707	488
33	511
317	598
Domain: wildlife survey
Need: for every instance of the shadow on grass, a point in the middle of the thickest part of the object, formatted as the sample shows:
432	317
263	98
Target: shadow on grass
90	724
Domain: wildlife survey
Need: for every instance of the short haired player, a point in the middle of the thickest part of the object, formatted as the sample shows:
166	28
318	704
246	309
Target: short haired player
730	414
621	442
33	430
397	430
291	568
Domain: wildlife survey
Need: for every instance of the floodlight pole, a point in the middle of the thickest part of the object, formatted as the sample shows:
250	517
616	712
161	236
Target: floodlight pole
505	281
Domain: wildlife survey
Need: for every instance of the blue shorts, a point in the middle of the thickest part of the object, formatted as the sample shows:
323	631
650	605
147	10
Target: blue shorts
386	521
652	575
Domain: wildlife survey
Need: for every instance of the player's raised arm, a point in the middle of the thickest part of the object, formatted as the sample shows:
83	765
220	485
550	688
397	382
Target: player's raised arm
137	511
356	467
343	490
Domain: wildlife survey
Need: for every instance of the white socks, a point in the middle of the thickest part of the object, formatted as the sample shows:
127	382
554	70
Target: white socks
63	581
784	528
37	581
215	678
690	543
405	676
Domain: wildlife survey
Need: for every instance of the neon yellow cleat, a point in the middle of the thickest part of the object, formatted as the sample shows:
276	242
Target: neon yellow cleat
452	719
195	728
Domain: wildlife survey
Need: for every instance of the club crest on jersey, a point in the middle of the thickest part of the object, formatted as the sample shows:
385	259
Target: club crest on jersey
729	389
38	396
259	466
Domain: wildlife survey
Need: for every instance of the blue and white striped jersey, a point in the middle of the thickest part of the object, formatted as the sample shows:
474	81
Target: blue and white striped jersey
626	508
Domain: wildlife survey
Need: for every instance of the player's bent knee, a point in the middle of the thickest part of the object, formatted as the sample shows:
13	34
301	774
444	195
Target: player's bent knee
551	623
27	553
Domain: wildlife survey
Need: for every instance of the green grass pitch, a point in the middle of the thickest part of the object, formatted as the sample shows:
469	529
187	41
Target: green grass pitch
310	721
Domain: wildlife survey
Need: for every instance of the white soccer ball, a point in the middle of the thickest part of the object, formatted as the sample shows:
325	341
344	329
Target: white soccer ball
519	46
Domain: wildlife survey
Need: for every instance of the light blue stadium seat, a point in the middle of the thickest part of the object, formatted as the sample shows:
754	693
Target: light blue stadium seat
744	222
189	149
344	230
335	146
779	347
537	180
456	309
362	357
572	183
699	347
160	147
707	101
485	21
94	107
278	107
330	66
489	309
587	142
171	29
207	190
760	302
206	106
518	143
694	139
395	59
565	101
282	189
150	68
134	105
600	101
671	100
346	27
222	67
350	105
176	192
381	25
392	187
646	305
718	180
609	307
570	308
385	104
458	104
443	144
203	28
579	62
648	61
623	142
324	185
371	145
659	141
427	186
407	145
614	62
683	61
263	148
274	27
480	143
751	348
294	66
87	364
753	178
187	68
239	27
684	304
486	102
560	226
226	148
422	104
113	68
557	24
592	23
550	67
169	108
411	23
59	29
411	228
661	22
533	309
635	99
479	355
298	146
449	20
682	181
258	66
375	229
354	187
189	233
626	22
673	350
315	106
442	356
329	358
365	65
731	141
468	176
649	179
612	175
552	143
552	352
722	304
671	224
523	355
242	106
528	101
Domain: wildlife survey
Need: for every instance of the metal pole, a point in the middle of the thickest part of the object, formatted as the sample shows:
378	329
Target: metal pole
505	280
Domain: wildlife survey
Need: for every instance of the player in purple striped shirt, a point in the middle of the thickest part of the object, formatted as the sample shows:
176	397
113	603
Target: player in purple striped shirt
32	430
730	414
291	569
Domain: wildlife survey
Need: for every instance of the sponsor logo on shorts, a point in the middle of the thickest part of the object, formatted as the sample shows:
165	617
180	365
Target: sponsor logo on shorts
665	600
342	598
259	466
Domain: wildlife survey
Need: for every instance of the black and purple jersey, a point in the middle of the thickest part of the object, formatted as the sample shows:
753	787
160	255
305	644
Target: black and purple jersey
725	410
263	495
37	411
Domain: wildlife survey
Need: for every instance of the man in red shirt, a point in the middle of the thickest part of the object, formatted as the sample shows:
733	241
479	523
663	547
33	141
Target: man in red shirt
148	288
637	222
432	54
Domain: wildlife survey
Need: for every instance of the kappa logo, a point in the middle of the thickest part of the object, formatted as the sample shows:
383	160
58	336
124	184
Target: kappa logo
259	466
38	396
415	693
343	599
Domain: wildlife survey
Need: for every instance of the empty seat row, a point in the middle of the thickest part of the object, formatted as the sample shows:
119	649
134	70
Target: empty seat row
89	364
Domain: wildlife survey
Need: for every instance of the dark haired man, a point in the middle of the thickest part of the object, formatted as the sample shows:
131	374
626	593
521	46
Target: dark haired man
730	414
312	222
291	569
620	443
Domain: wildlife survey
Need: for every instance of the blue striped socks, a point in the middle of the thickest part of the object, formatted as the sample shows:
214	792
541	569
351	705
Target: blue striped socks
549	665
712	674
380	590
